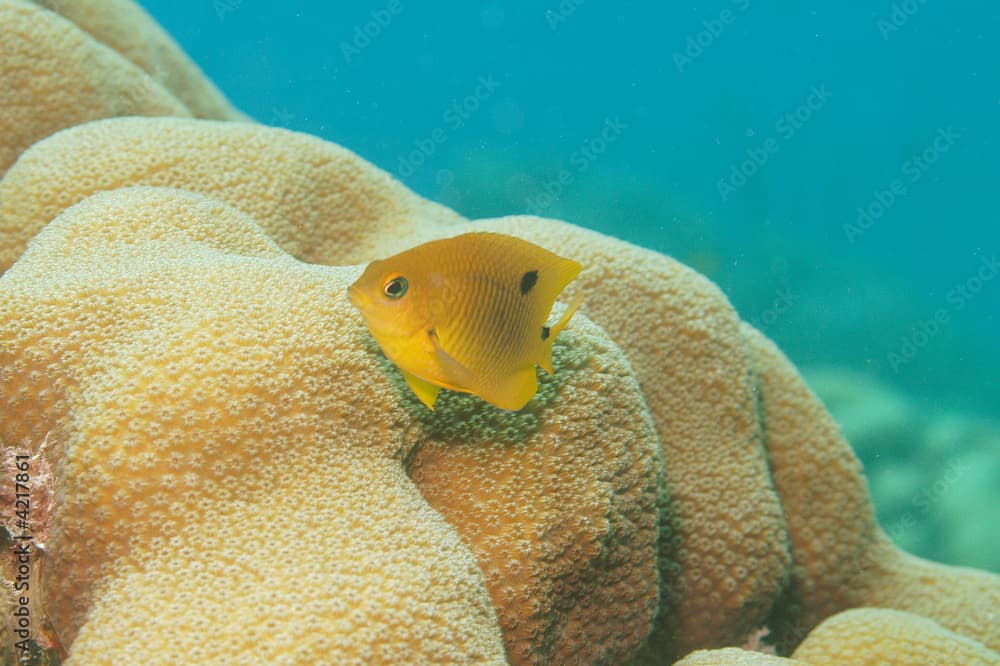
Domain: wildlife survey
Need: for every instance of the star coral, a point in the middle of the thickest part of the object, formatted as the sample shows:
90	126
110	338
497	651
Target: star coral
241	475
125	27
842	558
55	75
880	636
200	383
863	636
292	184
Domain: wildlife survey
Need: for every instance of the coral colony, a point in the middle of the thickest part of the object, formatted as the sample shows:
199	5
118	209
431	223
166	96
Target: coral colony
181	369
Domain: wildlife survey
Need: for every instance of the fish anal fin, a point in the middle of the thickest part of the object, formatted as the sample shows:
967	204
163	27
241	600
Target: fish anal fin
553	278
513	391
571	309
546	356
423	389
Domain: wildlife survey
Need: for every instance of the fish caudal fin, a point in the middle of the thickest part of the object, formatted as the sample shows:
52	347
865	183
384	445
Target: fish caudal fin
512	392
424	390
555	329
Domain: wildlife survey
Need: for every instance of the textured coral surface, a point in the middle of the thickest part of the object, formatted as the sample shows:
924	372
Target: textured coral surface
55	75
865	637
881	636
243	476
126	28
318	201
222	495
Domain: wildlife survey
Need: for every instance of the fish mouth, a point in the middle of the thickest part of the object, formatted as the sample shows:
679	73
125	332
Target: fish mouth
357	298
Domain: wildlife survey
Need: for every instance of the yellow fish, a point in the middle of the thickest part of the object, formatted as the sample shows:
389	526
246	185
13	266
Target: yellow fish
467	314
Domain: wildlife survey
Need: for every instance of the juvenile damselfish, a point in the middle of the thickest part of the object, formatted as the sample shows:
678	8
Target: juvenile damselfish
467	314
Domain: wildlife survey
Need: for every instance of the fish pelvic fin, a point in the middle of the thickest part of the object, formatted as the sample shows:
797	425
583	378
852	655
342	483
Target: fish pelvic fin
423	389
546	360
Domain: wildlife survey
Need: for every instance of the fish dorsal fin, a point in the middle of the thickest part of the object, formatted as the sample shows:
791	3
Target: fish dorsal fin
513	391
424	390
547	280
549	333
547	277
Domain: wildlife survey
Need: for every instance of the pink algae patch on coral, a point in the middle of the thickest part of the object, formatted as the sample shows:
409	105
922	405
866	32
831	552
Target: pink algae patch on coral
755	642
27	491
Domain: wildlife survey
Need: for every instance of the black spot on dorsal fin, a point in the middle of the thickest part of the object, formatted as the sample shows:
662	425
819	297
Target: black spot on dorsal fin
545	332
528	281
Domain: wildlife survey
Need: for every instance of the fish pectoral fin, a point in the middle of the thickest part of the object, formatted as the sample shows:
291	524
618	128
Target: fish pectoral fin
512	392
455	373
552	331
423	389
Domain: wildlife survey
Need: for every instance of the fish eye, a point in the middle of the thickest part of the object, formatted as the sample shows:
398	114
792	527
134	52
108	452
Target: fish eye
396	287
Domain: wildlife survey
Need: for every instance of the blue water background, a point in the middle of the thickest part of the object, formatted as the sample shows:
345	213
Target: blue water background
893	107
